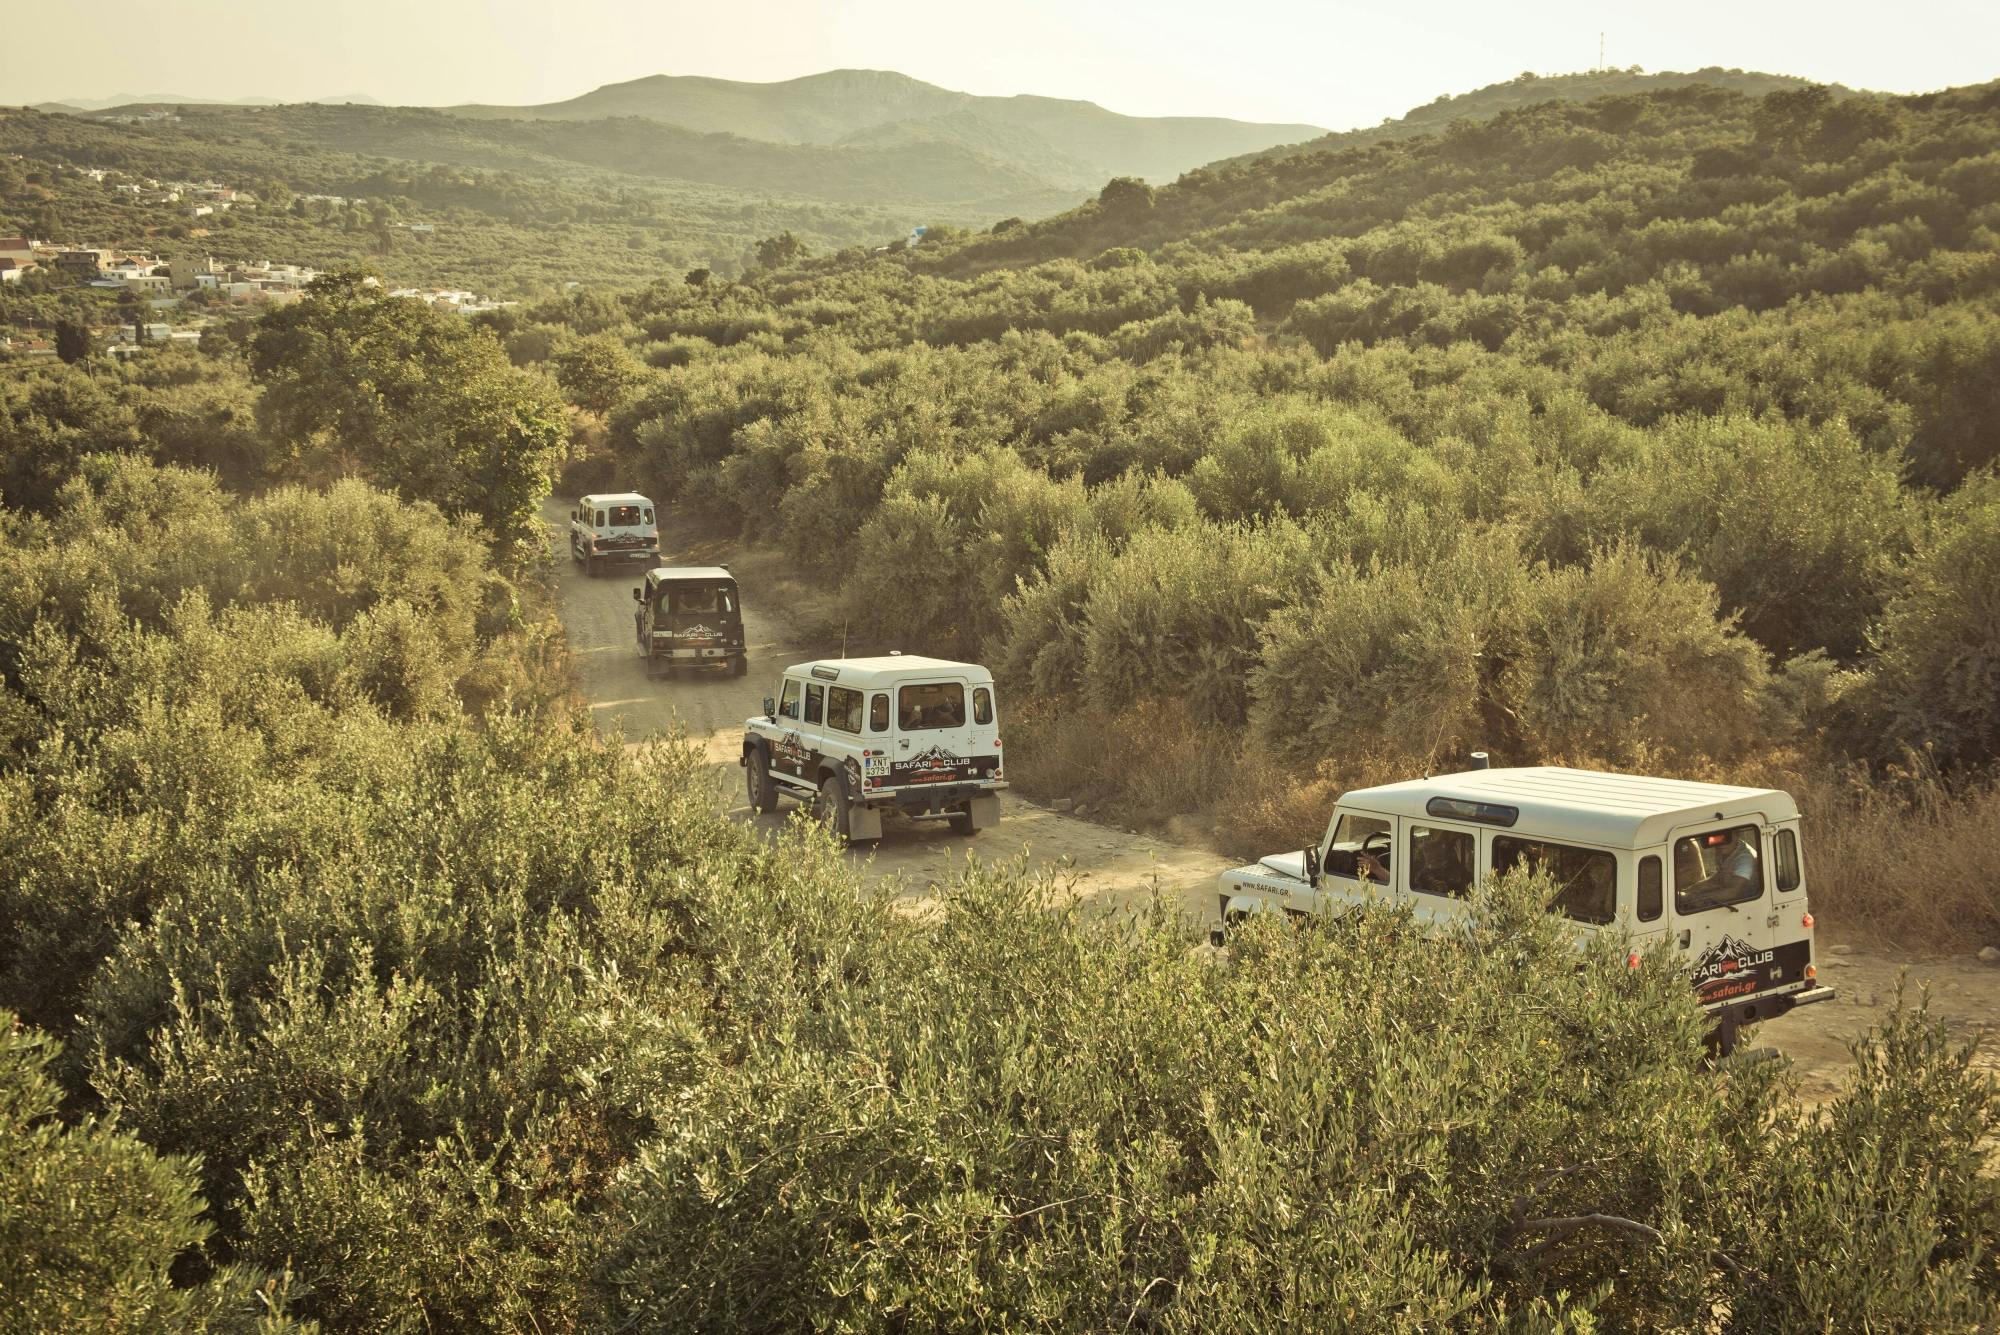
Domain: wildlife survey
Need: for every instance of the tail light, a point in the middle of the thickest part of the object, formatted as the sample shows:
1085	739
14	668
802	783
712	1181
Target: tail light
1632	960
1806	922
1812	972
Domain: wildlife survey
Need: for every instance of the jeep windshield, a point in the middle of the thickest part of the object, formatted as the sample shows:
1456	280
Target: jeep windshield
699	599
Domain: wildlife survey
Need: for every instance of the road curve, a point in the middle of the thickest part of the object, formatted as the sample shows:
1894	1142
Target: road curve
1103	865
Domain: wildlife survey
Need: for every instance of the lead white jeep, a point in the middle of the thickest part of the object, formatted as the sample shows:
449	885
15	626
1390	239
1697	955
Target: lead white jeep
613	528
1714	870
858	737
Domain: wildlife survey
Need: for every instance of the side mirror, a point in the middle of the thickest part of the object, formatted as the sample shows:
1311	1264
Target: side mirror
638	595
1312	865
770	709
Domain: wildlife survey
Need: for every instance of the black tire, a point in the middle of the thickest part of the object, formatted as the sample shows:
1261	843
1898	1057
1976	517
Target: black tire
741	668
590	567
831	806
961	822
763	793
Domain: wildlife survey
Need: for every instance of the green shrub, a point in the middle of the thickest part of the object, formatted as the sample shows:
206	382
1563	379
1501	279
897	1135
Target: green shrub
92	1222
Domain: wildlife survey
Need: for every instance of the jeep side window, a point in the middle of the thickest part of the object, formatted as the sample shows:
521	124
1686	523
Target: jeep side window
1788	861
982	706
1586	879
1441	861
1649	888
646	515
815	702
878	713
789	706
1360	848
600	519
843	708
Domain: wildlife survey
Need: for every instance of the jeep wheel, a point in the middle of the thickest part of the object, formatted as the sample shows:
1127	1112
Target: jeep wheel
961	821
741	668
831	808
763	793
590	567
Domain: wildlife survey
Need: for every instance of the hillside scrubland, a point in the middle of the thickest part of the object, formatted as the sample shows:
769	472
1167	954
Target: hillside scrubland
359	984
1654	431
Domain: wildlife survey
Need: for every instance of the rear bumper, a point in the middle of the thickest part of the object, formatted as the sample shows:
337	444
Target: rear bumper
1765	1006
710	655
931	799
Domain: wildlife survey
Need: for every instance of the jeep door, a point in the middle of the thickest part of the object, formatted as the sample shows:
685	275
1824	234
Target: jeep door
701	614
1357	863
934	730
790	751
1720	908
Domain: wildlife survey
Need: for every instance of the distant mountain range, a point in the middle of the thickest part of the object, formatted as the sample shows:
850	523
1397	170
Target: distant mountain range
866	139
122	100
1078	145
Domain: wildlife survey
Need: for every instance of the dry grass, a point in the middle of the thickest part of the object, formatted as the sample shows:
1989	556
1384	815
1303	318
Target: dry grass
1909	860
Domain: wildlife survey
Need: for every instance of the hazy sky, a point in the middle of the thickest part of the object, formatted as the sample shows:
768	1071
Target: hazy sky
1337	65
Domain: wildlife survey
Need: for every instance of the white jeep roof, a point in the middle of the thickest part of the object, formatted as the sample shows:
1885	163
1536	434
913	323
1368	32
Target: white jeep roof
613	498
689	572
888	668
1590	806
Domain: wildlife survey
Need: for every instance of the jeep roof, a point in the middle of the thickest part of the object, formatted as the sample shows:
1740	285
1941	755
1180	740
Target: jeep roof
886	668
614	498
663	573
1611	810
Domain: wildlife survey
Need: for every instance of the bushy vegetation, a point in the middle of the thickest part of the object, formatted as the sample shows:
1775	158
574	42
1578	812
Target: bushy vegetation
389	996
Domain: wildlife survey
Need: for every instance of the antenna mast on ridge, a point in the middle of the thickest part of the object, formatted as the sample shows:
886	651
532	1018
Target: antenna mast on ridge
1600	53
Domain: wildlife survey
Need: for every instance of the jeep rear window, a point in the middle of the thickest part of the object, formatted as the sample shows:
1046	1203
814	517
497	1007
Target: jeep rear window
843	708
1716	869
1586	878
938	705
627	516
703	598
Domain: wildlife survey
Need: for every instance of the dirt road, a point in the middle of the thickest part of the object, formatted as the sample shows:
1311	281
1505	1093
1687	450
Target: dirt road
1108	866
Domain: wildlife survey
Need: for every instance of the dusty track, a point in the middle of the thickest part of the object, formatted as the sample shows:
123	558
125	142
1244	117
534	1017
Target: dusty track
1107	866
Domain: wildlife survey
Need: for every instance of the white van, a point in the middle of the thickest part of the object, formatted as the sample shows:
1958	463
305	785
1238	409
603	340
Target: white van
613	528
857	737
1717	871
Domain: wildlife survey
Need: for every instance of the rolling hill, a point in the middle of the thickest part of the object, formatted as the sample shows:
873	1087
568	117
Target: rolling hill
1071	143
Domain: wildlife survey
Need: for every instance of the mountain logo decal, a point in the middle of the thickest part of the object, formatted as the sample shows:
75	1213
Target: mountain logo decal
1728	956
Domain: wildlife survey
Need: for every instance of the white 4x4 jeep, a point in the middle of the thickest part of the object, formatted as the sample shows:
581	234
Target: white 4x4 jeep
613	528
1714	870
856	737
